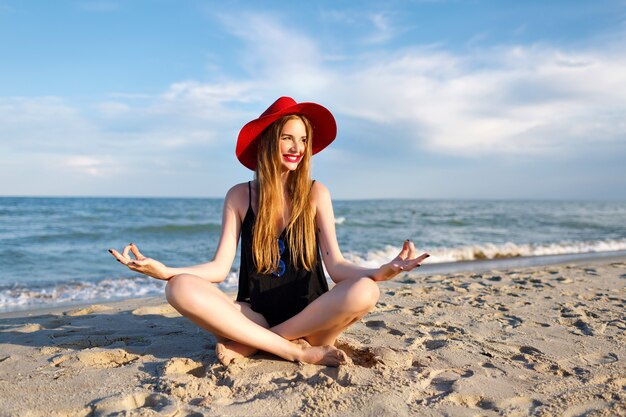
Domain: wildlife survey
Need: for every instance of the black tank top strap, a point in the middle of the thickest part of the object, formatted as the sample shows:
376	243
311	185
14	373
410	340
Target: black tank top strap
249	194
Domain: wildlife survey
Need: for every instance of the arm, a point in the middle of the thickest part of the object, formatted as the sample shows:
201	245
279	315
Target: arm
339	268
213	271
217	269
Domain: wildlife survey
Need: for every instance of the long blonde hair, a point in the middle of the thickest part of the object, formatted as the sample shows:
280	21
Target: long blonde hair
300	231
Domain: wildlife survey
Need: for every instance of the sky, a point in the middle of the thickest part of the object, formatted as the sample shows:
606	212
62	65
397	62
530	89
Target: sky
499	99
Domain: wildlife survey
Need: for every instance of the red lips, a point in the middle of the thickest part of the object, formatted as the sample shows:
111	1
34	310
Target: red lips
292	158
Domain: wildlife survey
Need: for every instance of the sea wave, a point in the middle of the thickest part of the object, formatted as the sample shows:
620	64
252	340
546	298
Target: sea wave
22	295
489	251
18	296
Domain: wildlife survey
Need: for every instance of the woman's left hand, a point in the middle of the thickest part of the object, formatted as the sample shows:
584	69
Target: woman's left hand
405	261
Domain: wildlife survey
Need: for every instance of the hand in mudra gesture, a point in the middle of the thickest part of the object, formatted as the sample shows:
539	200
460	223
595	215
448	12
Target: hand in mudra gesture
141	264
405	261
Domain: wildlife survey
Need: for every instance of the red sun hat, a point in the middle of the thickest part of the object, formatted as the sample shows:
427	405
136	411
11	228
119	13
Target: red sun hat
322	123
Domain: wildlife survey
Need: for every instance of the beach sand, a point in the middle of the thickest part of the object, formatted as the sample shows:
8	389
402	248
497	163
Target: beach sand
541	341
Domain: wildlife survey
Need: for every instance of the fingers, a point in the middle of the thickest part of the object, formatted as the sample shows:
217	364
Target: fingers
118	256
412	251
125	258
413	263
404	253
126	252
135	250
422	257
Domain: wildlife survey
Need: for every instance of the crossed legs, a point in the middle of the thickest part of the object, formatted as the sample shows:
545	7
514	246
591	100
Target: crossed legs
241	331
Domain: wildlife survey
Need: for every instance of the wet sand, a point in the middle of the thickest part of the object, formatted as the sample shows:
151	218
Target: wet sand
541	341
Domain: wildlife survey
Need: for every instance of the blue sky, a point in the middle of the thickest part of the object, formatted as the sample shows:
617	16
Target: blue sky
433	99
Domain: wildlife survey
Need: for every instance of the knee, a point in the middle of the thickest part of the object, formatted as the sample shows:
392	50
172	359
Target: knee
179	289
362	295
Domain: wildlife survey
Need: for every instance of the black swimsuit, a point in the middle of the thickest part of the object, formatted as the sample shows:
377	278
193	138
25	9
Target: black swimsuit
281	295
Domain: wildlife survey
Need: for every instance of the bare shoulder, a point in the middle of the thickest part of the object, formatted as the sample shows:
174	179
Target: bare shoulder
320	196
238	190
319	190
237	197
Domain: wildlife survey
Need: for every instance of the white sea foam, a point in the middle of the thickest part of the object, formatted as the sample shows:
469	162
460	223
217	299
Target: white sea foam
340	220
489	251
20	296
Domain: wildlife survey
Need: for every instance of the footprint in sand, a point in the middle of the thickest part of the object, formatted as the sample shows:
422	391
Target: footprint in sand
441	384
379	324
435	344
77	341
139	403
96	358
510	320
534	359
583	327
595	359
518	405
472	401
596	407
529	350
176	366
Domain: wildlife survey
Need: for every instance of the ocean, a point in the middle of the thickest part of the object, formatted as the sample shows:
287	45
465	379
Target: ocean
53	251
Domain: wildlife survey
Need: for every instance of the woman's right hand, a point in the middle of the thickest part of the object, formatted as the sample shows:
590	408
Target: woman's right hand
141	264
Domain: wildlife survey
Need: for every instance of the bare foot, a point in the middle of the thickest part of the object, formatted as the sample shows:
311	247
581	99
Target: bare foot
229	350
324	355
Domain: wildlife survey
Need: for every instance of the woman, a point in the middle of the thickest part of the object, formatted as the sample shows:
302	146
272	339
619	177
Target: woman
283	305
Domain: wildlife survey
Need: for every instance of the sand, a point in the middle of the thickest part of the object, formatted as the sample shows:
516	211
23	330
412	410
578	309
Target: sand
542	341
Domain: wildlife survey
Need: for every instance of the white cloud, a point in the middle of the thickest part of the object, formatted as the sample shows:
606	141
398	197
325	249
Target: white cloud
502	100
96	166
515	100
277	58
384	28
41	124
533	99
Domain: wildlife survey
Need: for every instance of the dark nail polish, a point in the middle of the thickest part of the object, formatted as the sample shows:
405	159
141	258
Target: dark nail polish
110	251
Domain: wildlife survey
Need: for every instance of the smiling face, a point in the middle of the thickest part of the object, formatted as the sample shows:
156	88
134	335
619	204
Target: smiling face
292	144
